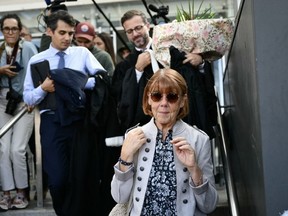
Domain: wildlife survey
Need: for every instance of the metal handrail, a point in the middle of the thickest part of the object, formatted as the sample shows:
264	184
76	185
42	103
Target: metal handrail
230	187
12	121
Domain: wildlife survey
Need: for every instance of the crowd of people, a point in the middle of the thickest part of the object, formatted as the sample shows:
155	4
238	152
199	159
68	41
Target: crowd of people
111	132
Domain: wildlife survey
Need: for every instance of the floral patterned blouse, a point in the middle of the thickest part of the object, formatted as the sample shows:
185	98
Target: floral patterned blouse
160	197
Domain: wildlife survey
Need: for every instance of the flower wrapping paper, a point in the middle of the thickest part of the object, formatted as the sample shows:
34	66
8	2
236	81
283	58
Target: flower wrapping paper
209	37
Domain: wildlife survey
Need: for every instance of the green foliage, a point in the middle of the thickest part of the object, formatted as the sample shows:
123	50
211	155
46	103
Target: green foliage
183	15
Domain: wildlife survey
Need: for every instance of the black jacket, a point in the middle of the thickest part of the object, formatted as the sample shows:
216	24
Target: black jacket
201	94
70	95
129	93
92	161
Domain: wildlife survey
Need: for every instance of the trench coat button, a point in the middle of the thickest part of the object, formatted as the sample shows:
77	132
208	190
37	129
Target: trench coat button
184	191
185	169
144	158
186	180
142	168
148	140
139	178
139	189
185	201
137	199
147	149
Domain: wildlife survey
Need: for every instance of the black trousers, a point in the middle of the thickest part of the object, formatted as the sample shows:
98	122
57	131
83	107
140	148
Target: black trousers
56	141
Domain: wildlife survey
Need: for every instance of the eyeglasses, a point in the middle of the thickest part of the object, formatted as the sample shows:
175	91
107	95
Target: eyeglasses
6	30
137	29
170	97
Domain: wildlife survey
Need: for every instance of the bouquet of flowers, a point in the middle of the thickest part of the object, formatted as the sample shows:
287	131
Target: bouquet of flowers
209	37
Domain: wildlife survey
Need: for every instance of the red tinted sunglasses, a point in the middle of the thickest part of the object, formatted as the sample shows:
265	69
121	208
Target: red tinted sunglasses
170	97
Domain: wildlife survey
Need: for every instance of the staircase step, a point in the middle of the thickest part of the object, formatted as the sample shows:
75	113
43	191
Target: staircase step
220	211
222	208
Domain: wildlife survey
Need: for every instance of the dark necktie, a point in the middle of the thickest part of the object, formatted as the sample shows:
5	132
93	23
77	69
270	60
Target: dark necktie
61	63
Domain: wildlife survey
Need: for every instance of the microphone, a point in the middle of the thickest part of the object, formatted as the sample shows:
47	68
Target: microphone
153	8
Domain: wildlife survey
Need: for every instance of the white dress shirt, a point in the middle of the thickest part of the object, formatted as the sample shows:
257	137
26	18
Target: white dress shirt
76	58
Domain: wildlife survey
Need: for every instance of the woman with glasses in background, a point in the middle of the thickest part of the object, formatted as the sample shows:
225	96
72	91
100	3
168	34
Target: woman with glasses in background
165	166
14	56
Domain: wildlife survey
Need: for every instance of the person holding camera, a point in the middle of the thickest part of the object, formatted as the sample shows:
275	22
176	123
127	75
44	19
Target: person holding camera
14	56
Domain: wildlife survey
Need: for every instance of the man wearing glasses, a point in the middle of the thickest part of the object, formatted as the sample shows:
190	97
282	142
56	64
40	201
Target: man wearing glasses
14	56
131	74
